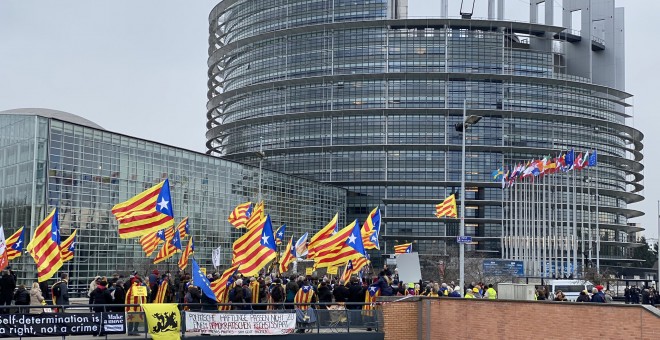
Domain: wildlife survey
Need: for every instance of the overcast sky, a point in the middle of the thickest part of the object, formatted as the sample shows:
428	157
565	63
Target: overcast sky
139	67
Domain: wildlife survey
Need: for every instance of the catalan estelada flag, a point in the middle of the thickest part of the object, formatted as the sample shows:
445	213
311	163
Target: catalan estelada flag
348	271
447	208
370	296
162	292
45	247
359	263
279	234
190	249
351	248
240	215
172	246
68	247
256	250
403	248
221	286
304	296
183	228
288	256
15	244
321	235
148	212
257	216
151	241
371	230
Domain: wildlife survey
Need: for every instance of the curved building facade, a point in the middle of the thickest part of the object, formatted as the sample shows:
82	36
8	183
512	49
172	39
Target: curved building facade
355	94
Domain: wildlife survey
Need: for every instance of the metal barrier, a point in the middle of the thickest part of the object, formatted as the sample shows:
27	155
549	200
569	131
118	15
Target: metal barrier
323	318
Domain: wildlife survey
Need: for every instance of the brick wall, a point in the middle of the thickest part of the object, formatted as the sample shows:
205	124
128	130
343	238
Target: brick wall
504	319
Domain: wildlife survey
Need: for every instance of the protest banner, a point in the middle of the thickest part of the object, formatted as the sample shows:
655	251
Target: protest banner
240	324
34	325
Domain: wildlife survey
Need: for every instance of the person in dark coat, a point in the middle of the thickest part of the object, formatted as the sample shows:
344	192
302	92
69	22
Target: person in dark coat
118	296
7	287
583	297
45	292
61	291
325	295
193	296
100	296
340	292
22	298
355	294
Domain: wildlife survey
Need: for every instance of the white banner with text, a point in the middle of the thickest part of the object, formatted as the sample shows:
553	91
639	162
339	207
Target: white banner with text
240	324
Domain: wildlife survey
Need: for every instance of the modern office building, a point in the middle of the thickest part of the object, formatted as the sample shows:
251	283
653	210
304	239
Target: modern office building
53	159
355	94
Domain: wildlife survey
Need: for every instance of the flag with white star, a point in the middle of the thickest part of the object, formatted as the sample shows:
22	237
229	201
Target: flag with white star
255	249
68	247
350	247
279	234
200	280
45	248
371	230
15	244
147	212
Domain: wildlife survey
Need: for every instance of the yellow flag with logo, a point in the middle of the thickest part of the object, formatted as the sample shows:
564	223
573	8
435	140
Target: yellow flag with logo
163	320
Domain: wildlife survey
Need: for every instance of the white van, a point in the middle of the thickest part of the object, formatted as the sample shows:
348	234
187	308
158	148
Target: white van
570	288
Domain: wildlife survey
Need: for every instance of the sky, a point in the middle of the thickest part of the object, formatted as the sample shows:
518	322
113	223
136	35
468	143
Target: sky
139	67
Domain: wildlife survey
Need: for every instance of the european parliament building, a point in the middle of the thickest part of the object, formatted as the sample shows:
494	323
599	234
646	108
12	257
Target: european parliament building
358	95
51	159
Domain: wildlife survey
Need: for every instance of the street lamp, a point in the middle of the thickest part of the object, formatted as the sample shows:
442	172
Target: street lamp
462	127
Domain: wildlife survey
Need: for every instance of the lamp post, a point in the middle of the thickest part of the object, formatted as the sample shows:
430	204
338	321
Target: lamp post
462	127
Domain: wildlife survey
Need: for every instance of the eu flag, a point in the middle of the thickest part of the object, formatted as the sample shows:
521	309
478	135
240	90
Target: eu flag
200	280
593	159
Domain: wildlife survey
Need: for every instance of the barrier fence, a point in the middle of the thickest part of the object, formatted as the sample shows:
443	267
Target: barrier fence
195	319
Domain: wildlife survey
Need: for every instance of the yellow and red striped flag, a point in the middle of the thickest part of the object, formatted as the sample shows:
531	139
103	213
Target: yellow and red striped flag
184	228
68	247
403	248
348	271
353	267
240	215
170	247
255	249
190	249
45	247
447	208
15	244
370	296
145	213
162	292
327	231
304	296
350	247
151	241
288	256
371	230
257	216
220	287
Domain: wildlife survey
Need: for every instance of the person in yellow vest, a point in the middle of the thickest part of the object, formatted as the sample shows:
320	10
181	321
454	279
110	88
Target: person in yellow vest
134	313
491	293
470	293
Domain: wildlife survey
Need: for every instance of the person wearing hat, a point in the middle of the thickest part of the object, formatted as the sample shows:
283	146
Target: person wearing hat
470	294
92	285
583	297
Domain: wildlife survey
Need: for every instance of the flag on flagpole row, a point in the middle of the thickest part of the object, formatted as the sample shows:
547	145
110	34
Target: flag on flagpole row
184	228
147	212
4	260
301	246
288	256
15	244
279	235
403	248
45	247
447	208
190	249
257	251
68	247
569	160
351	248
371	230
321	235
593	159
240	215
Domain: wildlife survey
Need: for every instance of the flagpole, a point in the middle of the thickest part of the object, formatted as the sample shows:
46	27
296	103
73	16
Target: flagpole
598	229
591	240
574	242
462	225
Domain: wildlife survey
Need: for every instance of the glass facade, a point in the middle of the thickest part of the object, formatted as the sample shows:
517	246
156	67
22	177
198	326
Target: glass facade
84	171
371	105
